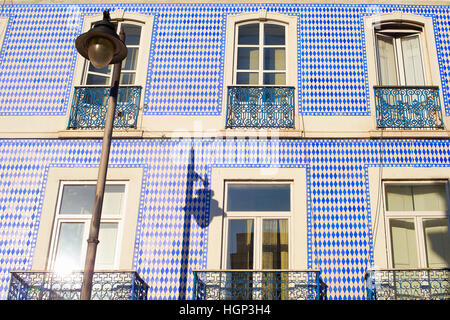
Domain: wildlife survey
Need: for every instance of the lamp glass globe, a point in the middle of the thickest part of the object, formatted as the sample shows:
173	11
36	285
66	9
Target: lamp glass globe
100	51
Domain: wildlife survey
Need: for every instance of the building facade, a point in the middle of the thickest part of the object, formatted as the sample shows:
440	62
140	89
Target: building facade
308	137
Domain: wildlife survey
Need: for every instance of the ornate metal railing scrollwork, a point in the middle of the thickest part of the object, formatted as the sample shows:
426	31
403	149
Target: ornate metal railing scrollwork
408	284
258	285
89	105
260	107
408	107
48	285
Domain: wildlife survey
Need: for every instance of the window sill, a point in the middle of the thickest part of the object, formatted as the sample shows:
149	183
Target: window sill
402	133
96	133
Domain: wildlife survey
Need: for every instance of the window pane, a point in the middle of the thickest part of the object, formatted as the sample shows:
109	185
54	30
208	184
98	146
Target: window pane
106	70
247	78
259	197
113	199
249	34
93	79
274	59
412	61
130	61
431	197
248	59
387	65
77	199
399	198
107	245
273	34
275	244
275	78
240	244
132	34
68	252
437	242
127	78
404	248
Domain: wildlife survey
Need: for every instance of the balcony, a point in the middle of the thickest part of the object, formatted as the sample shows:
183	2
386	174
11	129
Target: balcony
260	107
89	107
408	284
48	285
258	285
408	108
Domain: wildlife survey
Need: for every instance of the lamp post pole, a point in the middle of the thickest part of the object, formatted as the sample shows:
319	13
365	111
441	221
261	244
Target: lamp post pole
88	274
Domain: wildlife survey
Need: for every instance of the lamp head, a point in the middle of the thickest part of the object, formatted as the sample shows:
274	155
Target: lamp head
101	45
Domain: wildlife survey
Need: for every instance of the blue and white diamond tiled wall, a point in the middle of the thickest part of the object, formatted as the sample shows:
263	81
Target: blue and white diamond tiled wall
185	70
185	77
339	223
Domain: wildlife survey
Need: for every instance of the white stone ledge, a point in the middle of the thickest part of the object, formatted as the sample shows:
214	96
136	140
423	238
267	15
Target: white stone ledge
410	133
229	133
397	2
72	134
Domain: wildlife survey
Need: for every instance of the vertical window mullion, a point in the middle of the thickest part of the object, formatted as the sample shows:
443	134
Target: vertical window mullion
421	242
399	59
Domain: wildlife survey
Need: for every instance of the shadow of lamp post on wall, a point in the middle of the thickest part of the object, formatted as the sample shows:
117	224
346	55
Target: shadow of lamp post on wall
101	46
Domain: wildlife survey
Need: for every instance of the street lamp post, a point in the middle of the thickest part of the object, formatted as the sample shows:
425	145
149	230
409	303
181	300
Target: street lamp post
102	46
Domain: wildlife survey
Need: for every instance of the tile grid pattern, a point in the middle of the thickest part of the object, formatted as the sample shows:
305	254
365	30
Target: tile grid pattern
185	70
173	213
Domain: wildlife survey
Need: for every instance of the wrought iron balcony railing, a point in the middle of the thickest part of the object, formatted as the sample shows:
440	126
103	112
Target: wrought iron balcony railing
48	285
408	284
260	107
408	107
89	107
258	285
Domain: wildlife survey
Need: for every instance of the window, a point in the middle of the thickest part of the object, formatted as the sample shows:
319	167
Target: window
138	33
94	76
257	225
260	53
417	220
403	70
91	85
72	222
256	237
399	54
260	74
72	178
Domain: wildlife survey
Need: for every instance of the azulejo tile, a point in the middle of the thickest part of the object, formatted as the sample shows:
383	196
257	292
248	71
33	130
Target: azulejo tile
172	231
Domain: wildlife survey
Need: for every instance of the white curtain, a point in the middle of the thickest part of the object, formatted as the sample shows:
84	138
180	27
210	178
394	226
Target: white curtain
430	198
399	198
386	61
113	199
412	61
416	197
404	247
437	242
107	246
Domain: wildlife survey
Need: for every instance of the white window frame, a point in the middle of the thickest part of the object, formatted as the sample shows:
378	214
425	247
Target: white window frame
291	43
146	23
3	26
43	253
86	219
398	52
257	217
416	216
261	46
429	57
87	63
377	175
